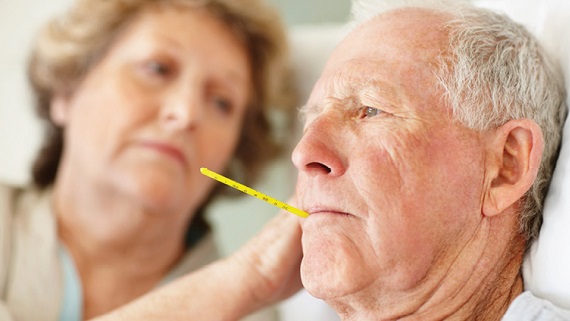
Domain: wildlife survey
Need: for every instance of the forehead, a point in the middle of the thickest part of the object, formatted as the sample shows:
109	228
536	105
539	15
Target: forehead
399	49
205	35
408	32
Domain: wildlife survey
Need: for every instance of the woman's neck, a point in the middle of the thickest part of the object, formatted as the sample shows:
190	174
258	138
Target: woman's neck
120	249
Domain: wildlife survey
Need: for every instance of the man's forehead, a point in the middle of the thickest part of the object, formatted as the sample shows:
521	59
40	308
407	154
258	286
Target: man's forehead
379	52
404	28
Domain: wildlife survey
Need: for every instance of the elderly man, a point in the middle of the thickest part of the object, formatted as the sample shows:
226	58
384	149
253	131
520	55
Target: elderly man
428	143
428	146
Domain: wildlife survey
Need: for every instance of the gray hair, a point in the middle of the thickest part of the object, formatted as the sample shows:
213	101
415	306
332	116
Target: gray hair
495	71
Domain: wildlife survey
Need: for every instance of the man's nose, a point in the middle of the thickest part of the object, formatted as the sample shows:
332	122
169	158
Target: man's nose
182	109
319	152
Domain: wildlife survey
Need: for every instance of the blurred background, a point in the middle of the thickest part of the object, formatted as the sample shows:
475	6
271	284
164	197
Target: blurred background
297	12
236	220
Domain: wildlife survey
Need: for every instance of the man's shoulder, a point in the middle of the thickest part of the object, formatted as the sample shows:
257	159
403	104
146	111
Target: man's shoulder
527	307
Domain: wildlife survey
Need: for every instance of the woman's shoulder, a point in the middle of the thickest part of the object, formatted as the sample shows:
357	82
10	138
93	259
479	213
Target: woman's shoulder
9	196
17	205
8	200
28	253
8	189
15	198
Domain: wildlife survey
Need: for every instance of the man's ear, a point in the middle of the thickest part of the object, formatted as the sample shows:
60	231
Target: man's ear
59	109
516	152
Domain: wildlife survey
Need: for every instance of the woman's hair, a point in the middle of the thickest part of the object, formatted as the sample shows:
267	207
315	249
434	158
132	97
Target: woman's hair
496	71
70	45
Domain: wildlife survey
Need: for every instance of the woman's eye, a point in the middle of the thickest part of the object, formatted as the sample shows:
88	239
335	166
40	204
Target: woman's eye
158	68
370	112
222	104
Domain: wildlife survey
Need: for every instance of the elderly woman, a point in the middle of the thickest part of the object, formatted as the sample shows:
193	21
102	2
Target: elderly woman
137	96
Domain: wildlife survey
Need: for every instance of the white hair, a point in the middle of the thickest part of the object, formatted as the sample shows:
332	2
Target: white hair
495	71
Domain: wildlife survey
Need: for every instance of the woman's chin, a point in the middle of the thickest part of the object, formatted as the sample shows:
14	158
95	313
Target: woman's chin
159	192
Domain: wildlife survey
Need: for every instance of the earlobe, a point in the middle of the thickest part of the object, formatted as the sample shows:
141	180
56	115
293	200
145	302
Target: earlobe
59	110
516	150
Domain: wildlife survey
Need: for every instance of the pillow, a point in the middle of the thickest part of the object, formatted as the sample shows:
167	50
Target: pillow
546	269
547	266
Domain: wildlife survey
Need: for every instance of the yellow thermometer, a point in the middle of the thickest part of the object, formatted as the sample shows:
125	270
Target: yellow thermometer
254	193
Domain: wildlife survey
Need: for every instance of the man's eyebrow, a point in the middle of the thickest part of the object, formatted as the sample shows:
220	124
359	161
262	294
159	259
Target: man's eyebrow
344	89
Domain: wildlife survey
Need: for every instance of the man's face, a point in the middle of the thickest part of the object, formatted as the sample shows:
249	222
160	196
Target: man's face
393	185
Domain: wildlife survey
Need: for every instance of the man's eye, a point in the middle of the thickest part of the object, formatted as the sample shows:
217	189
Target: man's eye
370	112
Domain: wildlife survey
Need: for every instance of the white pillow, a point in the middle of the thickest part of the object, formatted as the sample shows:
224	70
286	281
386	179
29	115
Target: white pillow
546	268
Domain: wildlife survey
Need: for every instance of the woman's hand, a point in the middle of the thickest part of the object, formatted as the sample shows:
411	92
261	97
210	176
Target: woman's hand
262	272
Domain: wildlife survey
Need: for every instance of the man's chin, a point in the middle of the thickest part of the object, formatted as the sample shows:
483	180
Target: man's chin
323	281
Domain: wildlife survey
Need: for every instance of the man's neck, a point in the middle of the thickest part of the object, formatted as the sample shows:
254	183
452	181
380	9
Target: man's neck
480	284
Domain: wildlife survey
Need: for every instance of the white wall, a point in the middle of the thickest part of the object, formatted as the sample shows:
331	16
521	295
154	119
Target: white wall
296	12
19	134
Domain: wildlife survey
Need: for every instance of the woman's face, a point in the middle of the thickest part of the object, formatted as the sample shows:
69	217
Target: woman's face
167	98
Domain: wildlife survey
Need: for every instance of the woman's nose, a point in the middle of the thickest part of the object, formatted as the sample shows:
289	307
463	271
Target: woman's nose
319	152
182	110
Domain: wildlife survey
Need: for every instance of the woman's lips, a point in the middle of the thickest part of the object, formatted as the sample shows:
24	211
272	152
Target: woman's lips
166	149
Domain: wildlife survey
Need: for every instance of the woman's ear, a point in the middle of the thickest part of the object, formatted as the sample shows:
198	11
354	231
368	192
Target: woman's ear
516	152
59	109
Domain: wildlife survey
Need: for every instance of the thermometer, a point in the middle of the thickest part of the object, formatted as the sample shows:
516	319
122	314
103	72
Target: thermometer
254	193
